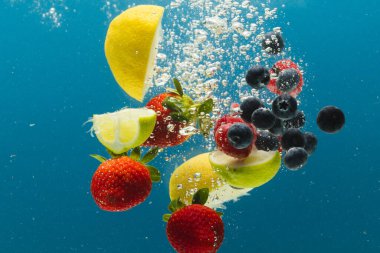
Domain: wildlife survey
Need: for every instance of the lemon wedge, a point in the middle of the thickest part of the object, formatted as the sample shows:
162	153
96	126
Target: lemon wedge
125	129
197	173
131	47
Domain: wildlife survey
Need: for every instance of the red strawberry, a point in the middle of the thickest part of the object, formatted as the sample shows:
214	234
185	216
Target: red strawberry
195	229
276	69
224	145
176	111
166	131
120	184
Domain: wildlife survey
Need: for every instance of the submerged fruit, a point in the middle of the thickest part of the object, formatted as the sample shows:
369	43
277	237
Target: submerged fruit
330	119
131	47
125	129
284	106
120	184
248	106
257	169
195	229
295	158
240	135
257	77
197	173
263	118
273	43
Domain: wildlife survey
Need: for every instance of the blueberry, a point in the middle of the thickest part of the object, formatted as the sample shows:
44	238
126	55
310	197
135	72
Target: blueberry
330	119
240	136
257	77
267	141
292	138
273	43
263	118
288	80
284	106
295	158
278	128
248	106
297	122
311	143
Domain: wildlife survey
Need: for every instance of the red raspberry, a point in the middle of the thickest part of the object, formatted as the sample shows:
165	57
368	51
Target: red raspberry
276	69
224	145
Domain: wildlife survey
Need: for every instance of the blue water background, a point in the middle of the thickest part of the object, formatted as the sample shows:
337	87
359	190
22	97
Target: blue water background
57	78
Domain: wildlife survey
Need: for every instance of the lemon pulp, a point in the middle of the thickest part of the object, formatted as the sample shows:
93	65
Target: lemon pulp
131	47
125	129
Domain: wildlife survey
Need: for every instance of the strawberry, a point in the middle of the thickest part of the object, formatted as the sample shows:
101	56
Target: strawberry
122	182
194	228
176	112
167	130
276	69
225	146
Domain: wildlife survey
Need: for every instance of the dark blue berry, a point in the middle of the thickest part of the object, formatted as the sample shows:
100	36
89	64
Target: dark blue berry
330	119
292	138
297	122
288	80
273	43
257	77
278	128
267	141
295	158
263	118
284	106
240	136
311	143
248	106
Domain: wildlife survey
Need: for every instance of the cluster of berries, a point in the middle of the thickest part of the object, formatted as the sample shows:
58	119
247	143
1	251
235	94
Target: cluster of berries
278	127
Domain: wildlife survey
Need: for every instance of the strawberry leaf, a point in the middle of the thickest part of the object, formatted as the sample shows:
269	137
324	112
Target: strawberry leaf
166	217
135	153
178	117
150	155
206	106
201	196
175	205
99	158
219	213
178	86
172	104
155	174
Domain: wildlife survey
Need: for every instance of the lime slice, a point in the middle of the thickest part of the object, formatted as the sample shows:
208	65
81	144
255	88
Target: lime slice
197	173
257	169
131	47
125	129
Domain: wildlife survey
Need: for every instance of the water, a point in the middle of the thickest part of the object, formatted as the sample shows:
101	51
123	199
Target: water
54	76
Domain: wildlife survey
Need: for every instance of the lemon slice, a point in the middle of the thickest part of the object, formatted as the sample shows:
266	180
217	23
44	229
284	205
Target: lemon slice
125	129
131	47
257	169
197	173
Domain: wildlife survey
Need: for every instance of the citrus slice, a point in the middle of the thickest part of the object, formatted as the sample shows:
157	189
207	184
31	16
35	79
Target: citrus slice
125	129
257	169
131	47
197	173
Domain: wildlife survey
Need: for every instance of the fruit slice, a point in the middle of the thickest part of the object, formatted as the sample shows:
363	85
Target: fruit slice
257	169
196	174
131	47
125	129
